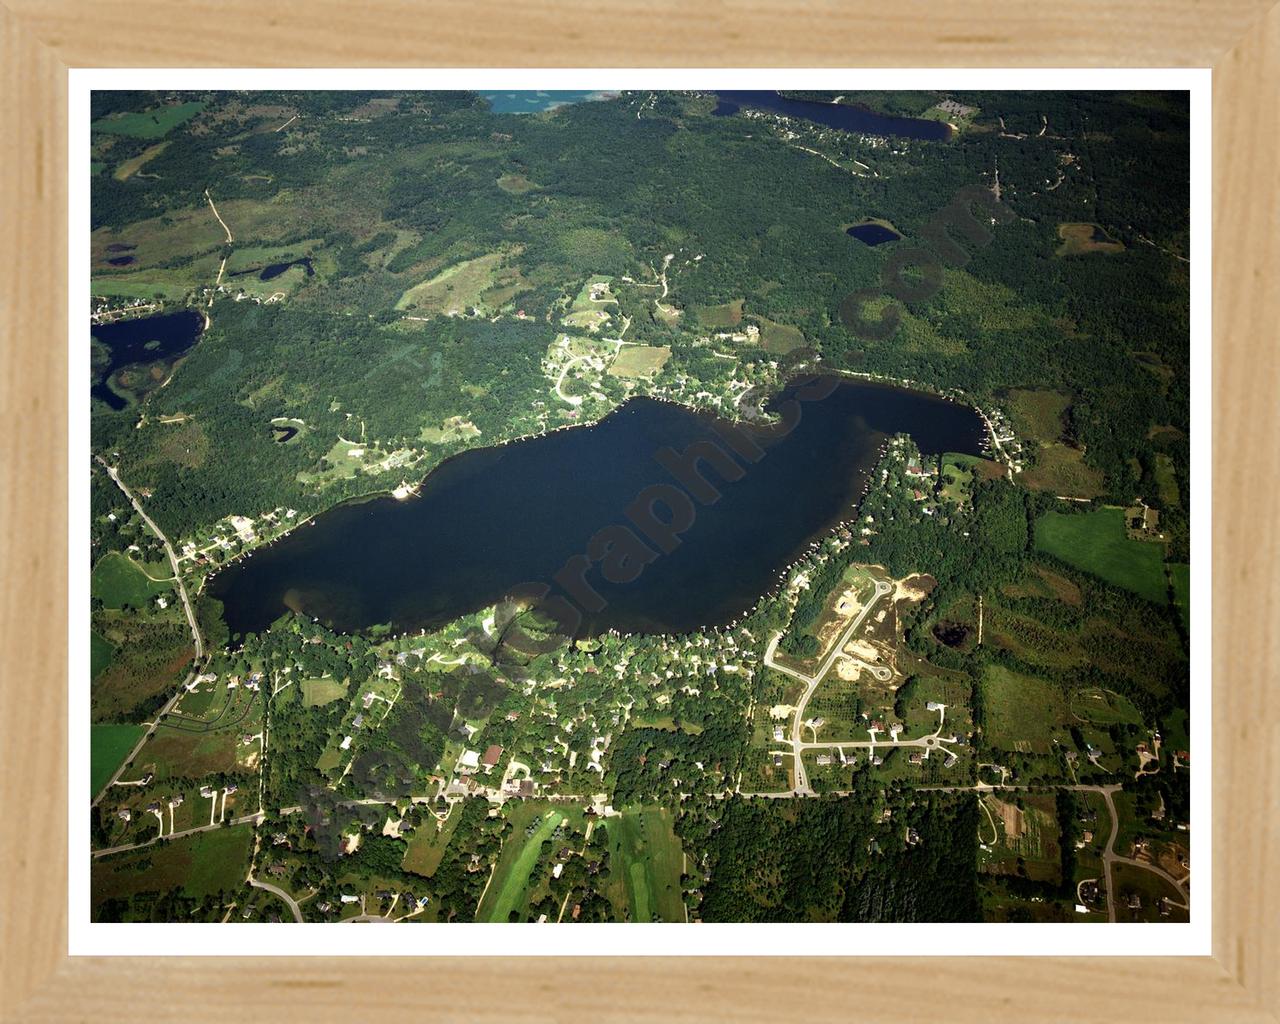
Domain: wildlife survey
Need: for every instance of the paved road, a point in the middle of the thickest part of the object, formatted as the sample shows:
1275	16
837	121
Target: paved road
191	621
811	682
277	891
242	820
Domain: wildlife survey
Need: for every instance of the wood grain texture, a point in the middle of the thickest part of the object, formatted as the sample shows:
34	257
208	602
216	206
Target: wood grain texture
39	39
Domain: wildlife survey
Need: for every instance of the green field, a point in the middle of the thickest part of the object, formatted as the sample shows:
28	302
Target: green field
117	582
646	855
151	124
108	745
1022	712
1096	542
426	848
319	692
1103	707
101	651
511	876
200	865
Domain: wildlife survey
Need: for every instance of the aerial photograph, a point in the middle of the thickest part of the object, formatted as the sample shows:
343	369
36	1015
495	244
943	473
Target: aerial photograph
638	506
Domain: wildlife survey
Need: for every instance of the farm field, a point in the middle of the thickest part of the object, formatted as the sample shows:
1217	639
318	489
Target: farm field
108	745
1096	542
1180	577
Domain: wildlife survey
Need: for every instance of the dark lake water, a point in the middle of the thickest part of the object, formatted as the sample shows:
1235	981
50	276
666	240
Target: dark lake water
834	115
490	520
274	270
142	351
873	234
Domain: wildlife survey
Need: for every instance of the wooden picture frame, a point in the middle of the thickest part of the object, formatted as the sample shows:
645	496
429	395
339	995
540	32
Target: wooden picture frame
41	39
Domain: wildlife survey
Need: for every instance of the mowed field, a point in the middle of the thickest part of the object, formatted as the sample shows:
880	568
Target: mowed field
646	861
108	745
1096	542
200	865
319	692
520	853
117	581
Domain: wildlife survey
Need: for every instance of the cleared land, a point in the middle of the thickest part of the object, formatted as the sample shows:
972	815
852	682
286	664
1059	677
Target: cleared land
511	876
427	847
1082	237
1022	712
640	361
117	582
646	856
1096	542
150	124
319	692
108	745
201	865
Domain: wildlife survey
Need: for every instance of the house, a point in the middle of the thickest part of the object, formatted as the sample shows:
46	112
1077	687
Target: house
491	757
557	871
125	814
348	898
357	721
345	744
469	761
824	760
915	757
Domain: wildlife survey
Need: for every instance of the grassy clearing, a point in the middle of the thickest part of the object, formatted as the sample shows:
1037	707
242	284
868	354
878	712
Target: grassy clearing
108	745
1022	712
101	651
1096	542
455	289
427	847
1099	706
728	314
1061	469
150	124
511	876
1039	413
316	693
516	184
647	858
1083	237
779	338
117	582
131	167
200	865
640	360
1166	480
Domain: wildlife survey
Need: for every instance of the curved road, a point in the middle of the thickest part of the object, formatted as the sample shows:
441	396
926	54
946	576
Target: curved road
811	682
191	621
277	891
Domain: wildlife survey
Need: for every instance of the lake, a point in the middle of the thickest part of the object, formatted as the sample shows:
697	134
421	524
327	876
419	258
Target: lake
834	115
873	234
137	355
492	519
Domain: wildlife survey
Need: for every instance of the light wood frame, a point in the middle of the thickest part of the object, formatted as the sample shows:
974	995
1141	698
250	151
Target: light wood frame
41	39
